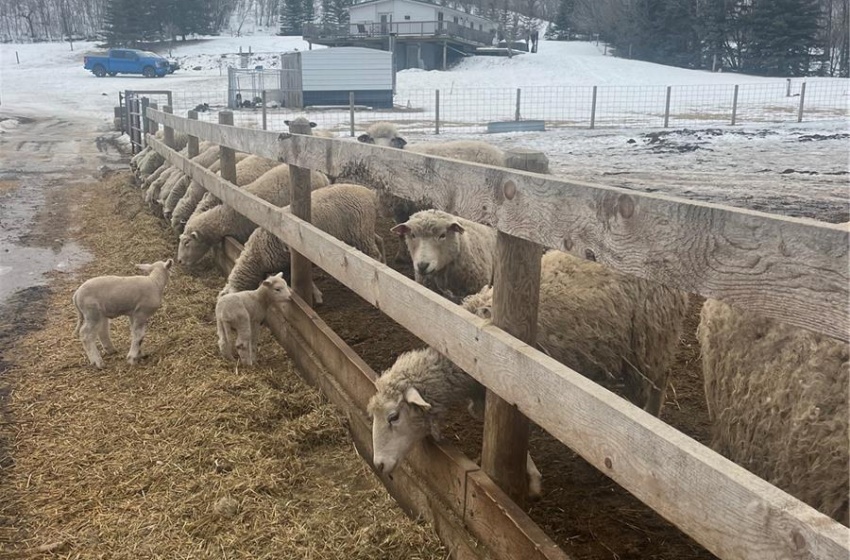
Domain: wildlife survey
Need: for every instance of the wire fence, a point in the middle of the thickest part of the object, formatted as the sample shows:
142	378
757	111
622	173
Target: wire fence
469	110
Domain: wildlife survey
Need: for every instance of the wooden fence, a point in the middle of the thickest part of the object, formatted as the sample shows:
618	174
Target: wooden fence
790	269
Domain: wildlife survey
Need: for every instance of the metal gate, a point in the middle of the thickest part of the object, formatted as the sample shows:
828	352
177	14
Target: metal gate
133	122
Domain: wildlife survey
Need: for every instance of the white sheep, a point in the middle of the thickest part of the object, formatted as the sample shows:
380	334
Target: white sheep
153	160
248	170
778	398
194	193
209	228
103	298
452	256
347	212
239	315
169	197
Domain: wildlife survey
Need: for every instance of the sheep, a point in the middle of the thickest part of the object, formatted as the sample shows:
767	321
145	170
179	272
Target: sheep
209	228
451	256
103	298
304	120
347	212
248	170
193	196
243	313
153	160
205	158
617	330
777	397
382	134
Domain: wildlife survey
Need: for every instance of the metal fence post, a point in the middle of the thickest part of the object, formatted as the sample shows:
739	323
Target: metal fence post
735	105
787	87
265	116
667	107
802	102
518	96
351	111
437	112
593	109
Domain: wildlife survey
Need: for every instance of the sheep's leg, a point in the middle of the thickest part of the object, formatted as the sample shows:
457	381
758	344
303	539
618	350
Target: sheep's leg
655	400
138	326
243	346
103	335
317	296
88	336
255	339
535	479
225	345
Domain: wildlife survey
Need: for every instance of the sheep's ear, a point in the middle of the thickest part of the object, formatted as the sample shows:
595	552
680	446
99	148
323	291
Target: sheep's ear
168	263
312	124
267	282
286	123
193	235
456	227
279	275
366	139
412	396
397	142
401	229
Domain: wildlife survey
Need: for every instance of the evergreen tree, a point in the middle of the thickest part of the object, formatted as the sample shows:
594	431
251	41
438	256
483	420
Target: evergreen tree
294	14
782	35
559	29
127	22
335	13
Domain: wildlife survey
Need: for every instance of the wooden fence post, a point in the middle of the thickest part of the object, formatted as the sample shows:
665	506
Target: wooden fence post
437	112
143	120
516	293
227	156
351	111
667	107
167	131
802	101
136	123
300	205
193	146
152	126
734	105
593	109
265	115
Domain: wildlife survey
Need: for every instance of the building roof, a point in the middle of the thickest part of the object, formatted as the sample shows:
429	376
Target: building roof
431	4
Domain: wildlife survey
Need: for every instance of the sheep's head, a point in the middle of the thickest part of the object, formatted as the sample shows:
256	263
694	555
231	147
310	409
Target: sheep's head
191	248
276	288
300	121
433	239
383	134
399	421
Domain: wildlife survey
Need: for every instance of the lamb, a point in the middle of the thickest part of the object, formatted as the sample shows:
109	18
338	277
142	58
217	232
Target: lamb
242	313
347	212
451	256
777	395
617	330
106	297
209	228
248	170
193	196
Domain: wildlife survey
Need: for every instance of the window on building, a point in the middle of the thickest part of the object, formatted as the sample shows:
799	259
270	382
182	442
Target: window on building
407	18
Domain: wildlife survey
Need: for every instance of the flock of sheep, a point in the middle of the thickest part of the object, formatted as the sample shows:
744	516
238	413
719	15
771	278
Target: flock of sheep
777	394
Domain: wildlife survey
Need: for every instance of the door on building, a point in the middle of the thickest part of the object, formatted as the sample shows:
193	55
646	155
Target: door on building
386	23
439	22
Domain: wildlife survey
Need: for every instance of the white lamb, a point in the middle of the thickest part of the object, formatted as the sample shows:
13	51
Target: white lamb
209	228
347	212
451	256
103	298
619	331
239	316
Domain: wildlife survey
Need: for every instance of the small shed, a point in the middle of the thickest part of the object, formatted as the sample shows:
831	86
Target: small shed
326	76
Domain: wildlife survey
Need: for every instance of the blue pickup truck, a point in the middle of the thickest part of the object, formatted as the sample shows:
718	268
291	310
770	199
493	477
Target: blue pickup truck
128	61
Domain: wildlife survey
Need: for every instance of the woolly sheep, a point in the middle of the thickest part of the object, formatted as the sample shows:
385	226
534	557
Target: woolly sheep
248	170
103	298
452	256
239	316
209	228
207	157
153	160
347	212
193	196
777	395
315	132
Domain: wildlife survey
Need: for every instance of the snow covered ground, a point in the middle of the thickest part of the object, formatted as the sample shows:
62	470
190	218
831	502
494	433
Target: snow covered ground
768	161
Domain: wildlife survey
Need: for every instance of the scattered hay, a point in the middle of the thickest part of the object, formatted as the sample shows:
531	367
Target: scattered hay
184	456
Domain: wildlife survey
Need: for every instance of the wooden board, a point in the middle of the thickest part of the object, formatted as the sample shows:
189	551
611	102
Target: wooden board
730	511
793	270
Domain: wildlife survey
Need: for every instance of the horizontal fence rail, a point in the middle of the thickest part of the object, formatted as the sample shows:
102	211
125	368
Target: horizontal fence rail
790	269
731	512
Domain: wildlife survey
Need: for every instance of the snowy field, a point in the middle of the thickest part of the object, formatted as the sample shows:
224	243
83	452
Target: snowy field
767	162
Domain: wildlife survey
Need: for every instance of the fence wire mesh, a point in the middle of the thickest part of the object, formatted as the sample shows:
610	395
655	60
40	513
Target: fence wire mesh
469	110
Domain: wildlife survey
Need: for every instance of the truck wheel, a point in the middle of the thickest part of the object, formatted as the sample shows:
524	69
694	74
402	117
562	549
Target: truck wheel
99	71
149	72
113	74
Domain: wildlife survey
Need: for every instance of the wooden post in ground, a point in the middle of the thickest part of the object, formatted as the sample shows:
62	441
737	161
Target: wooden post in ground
593	109
516	293
302	268
734	105
351	111
144	121
667	107
265	112
802	102
167	131
227	156
193	146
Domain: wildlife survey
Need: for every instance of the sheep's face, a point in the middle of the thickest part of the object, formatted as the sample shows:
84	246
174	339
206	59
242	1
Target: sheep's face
433	245
393	142
398	423
191	248
277	288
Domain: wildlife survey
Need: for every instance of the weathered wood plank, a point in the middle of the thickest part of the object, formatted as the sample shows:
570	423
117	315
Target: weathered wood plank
300	180
227	156
793	270
730	511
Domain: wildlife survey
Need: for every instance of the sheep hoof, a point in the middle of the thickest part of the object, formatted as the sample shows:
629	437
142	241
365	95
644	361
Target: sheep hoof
98	365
